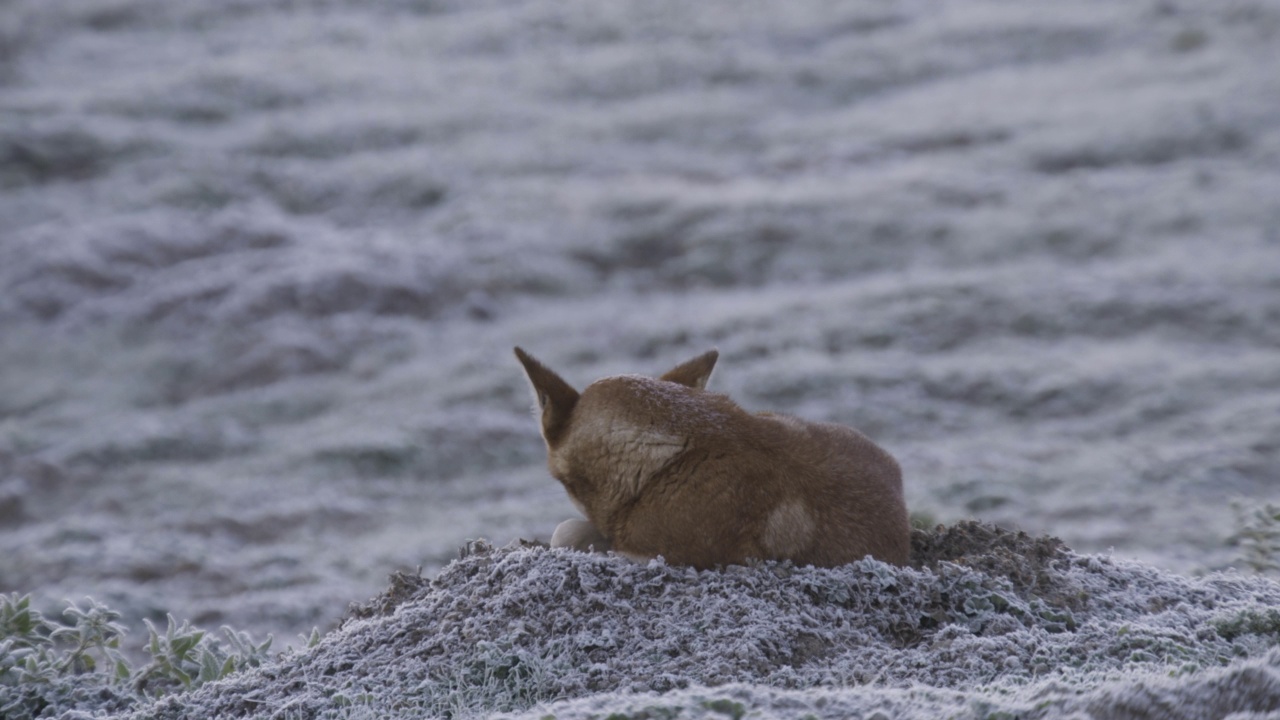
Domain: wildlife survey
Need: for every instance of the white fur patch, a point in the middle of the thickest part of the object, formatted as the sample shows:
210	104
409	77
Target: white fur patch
624	454
788	529
579	535
640	453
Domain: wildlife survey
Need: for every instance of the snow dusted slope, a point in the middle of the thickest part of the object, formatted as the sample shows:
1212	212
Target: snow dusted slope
262	264
991	622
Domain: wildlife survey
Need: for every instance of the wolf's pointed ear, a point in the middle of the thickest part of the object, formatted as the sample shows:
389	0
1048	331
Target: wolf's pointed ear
693	373
554	396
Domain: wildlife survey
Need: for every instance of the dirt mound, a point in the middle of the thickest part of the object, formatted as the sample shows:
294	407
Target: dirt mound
505	629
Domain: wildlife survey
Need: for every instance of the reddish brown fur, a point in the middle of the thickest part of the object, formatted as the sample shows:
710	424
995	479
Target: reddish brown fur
663	467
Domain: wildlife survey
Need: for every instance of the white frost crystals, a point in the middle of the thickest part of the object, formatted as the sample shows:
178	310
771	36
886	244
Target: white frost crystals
993	621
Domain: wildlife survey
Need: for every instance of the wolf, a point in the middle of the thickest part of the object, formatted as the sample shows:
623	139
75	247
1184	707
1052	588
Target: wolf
664	467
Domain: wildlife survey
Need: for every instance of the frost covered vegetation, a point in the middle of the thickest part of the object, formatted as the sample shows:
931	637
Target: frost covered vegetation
987	621
1259	537
48	666
262	265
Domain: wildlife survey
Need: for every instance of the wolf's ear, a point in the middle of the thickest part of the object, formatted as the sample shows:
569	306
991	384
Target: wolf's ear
554	396
693	373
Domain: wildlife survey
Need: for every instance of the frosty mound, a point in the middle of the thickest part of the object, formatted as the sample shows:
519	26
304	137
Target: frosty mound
986	621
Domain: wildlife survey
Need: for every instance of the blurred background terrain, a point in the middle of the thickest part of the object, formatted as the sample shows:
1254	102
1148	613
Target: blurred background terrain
262	265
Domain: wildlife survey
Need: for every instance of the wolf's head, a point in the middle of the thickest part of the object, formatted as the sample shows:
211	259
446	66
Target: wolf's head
604	443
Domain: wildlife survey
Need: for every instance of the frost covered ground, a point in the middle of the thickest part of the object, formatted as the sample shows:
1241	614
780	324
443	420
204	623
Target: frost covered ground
262	264
989	623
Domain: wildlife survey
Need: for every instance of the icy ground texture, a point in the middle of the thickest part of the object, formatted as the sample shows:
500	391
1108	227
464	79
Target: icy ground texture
262	263
989	621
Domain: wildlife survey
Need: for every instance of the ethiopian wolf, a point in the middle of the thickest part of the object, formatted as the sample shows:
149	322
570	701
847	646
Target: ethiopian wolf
664	467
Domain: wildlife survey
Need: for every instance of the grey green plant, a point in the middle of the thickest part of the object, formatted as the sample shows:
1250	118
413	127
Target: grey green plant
94	631
78	662
1258	536
310	640
1248	622
182	658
